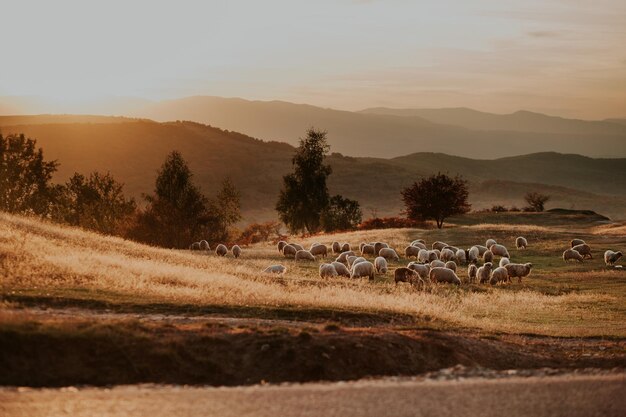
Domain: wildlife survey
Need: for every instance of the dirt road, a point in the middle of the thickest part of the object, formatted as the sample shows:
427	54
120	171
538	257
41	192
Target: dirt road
564	395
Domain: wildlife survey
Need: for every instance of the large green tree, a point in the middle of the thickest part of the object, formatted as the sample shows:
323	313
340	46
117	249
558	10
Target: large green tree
305	195
341	214
225	210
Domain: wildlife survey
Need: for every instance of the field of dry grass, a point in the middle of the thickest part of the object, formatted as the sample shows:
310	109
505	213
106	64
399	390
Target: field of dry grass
45	261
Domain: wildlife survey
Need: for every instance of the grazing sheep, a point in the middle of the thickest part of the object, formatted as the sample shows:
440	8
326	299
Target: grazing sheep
484	273
221	250
353	260
381	265
404	274
345	247
576	242
481	249
452	248
504	261
361	246
461	257
343	258
499	250
341	269
289	251
419	245
204	245
611	257
518	270
275	269
363	269
421	269
378	246
488	256
433	255
422	256
447	255
281	245
571	254
411	251
437	264
451	265
444	275
499	274
521	243
439	245
420	241
236	250
297	246
304	255
368	250
473	255
490	242
320	250
327	271
584	250
389	254
471	272
336	247
194	246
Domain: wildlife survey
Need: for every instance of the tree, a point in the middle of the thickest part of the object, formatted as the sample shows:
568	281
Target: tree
436	198
225	211
341	214
25	177
305	195
96	202
536	201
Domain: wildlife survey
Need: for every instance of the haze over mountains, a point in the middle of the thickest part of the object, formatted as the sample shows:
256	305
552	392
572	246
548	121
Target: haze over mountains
132	150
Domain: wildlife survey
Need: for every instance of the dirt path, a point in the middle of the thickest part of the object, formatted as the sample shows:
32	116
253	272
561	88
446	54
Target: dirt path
565	395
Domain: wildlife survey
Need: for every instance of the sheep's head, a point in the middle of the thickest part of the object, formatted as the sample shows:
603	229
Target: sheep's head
529	265
618	255
488	265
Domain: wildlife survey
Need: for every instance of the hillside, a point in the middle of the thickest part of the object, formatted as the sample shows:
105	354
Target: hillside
390	135
132	150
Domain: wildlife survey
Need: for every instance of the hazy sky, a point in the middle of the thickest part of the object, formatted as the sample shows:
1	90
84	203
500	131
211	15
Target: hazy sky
561	57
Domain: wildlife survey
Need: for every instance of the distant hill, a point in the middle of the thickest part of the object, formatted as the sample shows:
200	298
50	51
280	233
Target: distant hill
371	134
132	150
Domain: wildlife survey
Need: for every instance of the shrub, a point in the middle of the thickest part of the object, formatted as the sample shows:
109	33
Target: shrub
389	223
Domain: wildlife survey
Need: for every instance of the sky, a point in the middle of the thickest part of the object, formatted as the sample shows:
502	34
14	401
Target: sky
565	58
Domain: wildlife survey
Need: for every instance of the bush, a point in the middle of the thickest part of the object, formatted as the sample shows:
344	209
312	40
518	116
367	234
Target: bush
389	223
341	214
498	209
259	232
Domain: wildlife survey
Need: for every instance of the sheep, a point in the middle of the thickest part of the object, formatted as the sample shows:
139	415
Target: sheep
437	264
504	261
490	242
584	250
341	269
437	252
461	257
381	265
297	246
473	255
447	255
343	258
221	250
204	245
363	269
345	247
411	251
611	257
304	255
275	269
451	265
488	256
281	245
236	250
327	271
319	249
289	251
368	250
439	245
571	254
361	246
471	272
481	249
378	246
420	241
576	242
433	255
336	247
484	272
499	250
499	274
419	245
354	260
521	243
389	254
518	270
194	246
422	256
452	248
444	275
421	269
404	274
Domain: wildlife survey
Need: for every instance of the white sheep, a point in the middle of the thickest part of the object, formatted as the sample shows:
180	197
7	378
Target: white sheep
584	250
422	256
411	251
488	256
473	254
451	265
490	242
421	269
571	254
381	265
341	269
378	246
304	255
327	271
518	270
434	255
354	260
484	273
499	250
439	245
221	250
521	243
444	275
437	264
576	242
363	269
419	245
204	245
368	250
499	274
343	257
236	250
481	249
611	257
447	255
275	269
289	251
471	272
389	254
336	247
504	261
319	250
461	257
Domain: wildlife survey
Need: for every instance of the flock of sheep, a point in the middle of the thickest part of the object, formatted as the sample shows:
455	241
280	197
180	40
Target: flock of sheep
581	251
220	250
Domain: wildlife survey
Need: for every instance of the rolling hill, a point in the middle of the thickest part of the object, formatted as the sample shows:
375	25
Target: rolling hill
132	150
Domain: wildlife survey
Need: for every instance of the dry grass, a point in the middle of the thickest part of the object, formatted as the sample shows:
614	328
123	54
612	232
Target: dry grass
38	257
